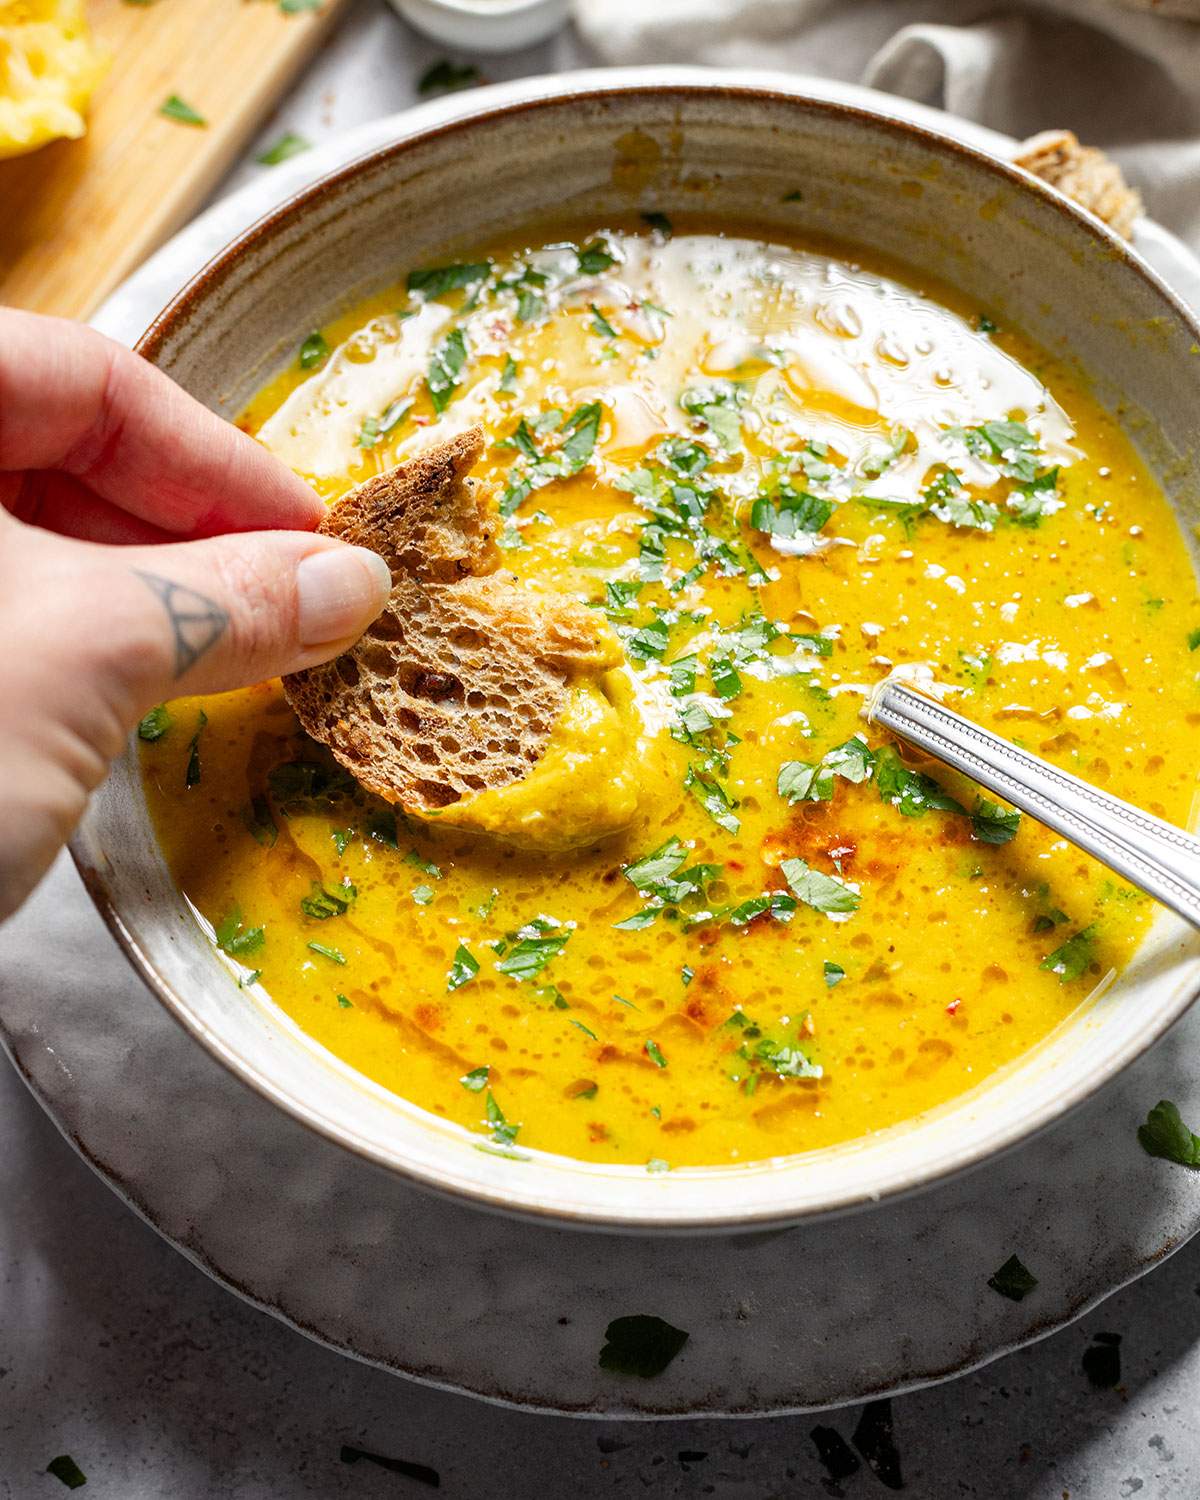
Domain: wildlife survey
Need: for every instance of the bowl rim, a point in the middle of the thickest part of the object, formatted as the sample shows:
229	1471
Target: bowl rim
477	108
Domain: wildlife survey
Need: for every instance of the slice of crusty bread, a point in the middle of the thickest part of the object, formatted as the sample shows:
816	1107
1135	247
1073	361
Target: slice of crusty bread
455	687
1083	173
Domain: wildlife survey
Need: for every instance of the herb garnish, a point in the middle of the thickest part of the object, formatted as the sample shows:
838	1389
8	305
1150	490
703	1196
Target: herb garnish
446	77
445	368
175	108
1165	1135
65	1469
476	1080
503	1133
1071	959
825	893
288	145
595	258
464	968
154	724
655	1054
335	955
313	351
322	903
256	816
236	939
1013	1280
191	776
992	824
712	797
436	281
536	944
834	973
641	1345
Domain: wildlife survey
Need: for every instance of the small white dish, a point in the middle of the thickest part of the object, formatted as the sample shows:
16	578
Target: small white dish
485	25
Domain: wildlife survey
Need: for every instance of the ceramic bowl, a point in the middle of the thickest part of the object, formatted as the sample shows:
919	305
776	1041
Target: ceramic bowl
599	145
486	26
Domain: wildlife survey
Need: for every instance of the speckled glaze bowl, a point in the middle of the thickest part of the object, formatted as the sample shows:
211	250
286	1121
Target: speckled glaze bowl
601	144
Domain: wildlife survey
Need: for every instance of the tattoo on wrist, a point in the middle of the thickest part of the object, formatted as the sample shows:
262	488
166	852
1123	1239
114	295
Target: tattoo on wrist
197	623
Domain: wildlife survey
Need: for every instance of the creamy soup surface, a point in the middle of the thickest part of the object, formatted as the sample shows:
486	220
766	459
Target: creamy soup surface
780	474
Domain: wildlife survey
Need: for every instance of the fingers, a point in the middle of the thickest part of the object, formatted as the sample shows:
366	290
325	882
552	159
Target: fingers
206	616
58	503
74	401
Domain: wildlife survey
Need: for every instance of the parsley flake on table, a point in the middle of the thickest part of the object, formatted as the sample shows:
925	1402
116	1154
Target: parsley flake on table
67	1471
446	77
288	145
1013	1280
1165	1135
175	108
641	1345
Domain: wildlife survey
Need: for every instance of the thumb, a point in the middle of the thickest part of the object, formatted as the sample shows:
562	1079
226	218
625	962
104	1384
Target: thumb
207	616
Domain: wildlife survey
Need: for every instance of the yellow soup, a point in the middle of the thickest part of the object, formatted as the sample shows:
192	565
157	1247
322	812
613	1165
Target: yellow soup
780	475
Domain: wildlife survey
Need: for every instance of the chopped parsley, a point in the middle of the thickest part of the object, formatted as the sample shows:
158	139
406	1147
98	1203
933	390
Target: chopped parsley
464	968
154	724
825	893
834	973
1013	1280
288	145
321	904
256	816
191	776
445	368
67	1471
1165	1135
803	781
913	793
503	1133
234	938
334	955
175	108
1074	956
476	1080
713	798
535	945
601	325
992	824
595	258
641	1345
436	281
446	77
655	1054
314	351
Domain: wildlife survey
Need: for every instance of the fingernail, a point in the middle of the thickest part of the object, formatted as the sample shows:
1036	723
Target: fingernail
340	590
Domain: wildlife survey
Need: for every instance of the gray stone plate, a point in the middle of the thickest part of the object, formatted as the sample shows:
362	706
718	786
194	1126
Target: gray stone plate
831	1312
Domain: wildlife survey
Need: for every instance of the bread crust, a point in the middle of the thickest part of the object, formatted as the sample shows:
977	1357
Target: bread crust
1083	173
456	686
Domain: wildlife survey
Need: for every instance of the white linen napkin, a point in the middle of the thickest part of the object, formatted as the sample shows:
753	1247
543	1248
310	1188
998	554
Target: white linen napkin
1119	77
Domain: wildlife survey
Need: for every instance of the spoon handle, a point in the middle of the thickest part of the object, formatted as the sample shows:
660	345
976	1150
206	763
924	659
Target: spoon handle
1158	858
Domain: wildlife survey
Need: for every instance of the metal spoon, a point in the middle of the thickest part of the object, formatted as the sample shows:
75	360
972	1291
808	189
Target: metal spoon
1158	858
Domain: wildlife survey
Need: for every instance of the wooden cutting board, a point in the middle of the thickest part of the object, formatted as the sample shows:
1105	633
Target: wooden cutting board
77	216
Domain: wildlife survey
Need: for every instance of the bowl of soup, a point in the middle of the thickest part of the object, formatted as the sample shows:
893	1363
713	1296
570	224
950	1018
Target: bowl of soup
794	395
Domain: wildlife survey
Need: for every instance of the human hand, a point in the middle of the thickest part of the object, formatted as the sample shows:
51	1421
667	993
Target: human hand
147	549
